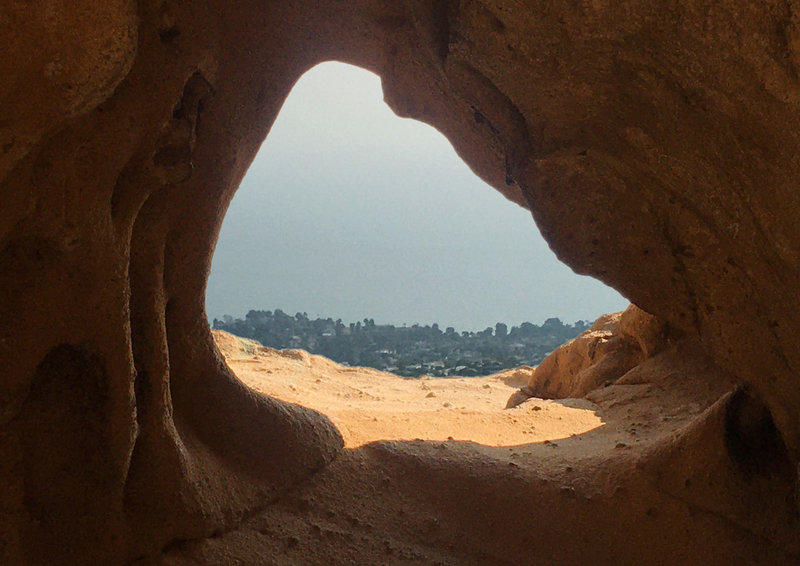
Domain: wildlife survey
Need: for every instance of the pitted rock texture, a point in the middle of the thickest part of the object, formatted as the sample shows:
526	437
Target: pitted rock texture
655	143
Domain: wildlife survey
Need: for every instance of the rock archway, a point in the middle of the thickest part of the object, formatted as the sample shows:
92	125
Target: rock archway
655	143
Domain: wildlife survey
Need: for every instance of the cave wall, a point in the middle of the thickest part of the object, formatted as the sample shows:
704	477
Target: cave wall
655	143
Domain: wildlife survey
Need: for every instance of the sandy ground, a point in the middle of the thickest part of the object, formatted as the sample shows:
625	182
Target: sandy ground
368	405
437	471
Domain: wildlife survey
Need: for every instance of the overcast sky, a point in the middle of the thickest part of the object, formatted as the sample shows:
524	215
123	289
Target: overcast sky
350	212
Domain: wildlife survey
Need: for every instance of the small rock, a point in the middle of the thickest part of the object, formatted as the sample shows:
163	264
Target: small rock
518	397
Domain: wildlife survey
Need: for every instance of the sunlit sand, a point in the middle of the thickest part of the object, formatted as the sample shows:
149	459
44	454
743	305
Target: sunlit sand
368	405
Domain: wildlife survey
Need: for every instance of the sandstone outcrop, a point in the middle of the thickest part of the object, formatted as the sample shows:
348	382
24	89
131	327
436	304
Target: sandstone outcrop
615	344
655	143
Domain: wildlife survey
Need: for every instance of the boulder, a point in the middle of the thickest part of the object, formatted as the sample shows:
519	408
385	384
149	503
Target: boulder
615	344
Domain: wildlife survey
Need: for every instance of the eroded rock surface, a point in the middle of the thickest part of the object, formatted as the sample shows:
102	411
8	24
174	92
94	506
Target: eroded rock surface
656	144
615	344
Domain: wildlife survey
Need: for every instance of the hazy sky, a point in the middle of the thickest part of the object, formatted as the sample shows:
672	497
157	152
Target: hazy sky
350	212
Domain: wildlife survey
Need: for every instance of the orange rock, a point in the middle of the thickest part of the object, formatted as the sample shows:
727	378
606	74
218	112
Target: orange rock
655	143
614	344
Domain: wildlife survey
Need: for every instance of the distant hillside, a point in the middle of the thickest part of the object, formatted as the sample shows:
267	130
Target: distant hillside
408	351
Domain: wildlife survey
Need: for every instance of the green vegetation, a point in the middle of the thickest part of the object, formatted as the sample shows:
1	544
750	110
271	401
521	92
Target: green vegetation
407	351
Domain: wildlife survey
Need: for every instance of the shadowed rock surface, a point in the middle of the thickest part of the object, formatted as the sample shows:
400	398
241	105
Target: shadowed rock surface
655	143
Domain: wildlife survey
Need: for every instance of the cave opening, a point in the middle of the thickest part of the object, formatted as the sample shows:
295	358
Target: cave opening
655	144
350	212
355	215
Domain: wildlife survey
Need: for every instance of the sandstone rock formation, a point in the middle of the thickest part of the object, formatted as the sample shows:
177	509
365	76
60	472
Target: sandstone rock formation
615	344
655	143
